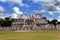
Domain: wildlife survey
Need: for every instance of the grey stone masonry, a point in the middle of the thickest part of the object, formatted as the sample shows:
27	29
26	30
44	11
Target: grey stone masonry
36	22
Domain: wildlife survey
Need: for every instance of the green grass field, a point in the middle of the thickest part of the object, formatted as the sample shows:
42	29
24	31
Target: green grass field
41	35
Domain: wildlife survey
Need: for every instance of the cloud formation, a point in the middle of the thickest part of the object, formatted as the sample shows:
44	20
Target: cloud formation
50	12
58	18
58	8
49	7
1	9
16	12
14	15
15	1
3	0
3	15
36	1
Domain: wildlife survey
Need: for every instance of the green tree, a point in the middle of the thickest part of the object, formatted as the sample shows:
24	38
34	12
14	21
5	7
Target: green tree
1	22
58	22
54	22
48	21
44	17
6	22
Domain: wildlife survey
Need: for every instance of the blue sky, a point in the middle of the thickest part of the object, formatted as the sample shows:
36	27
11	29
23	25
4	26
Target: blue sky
48	8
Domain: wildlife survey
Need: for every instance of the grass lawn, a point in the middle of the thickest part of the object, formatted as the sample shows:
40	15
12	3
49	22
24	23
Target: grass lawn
41	35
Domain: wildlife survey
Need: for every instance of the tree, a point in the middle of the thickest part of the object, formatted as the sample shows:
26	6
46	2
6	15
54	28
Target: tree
44	17
54	22
48	21
6	22
58	22
1	22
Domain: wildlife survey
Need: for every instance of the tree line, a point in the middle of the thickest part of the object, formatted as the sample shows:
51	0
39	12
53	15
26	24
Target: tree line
54	22
5	22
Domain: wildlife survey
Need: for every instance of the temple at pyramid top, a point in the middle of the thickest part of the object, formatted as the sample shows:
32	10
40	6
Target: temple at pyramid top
25	16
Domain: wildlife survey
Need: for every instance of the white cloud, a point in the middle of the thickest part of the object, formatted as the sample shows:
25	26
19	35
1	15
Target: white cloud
16	12
50	12
56	11
42	11
36	1
58	18
14	15
37	11
58	8
58	0
1	9
16	1
3	0
3	15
